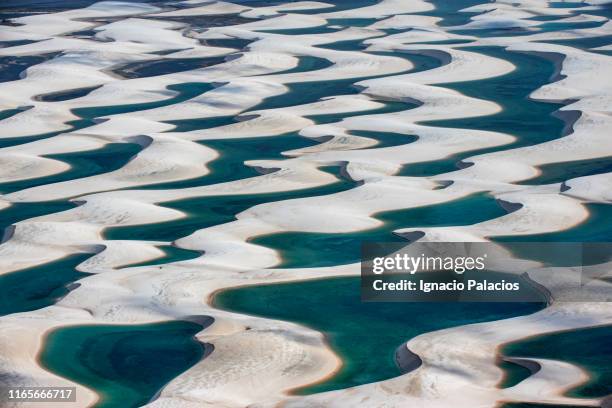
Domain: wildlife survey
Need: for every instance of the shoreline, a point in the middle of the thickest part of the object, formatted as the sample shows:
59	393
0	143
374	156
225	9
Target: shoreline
265	361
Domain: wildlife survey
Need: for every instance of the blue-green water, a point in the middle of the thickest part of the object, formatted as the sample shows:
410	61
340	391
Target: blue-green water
39	286
566	4
584	43
19	8
73	125
345	45
517	30
67	95
596	228
563	171
188	125
126	365
569	346
300	93
233	153
604	10
449	12
352	22
514	373
12	68
307	63
207	21
184	92
7	113
386	139
335	5
203	212
365	335
306	249
421	62
165	66
82	164
171	254
43	285
6	44
532	122
22	211
388	107
322	29
237	43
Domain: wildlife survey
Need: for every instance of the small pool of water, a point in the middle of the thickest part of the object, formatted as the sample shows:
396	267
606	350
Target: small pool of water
126	365
569	346
82	164
39	286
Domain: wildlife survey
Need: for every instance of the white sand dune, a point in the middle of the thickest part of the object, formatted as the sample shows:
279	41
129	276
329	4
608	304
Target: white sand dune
208	9
257	361
181	159
459	366
68	21
381	9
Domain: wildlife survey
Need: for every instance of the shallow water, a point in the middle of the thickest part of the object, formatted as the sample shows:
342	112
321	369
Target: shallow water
171	254
365	335
204	212
73	125
306	63
229	165
20	8
13	68
165	66
82	164
513	373
596	228
547	26
67	95
308	250
585	43
184	91
20	211
200	22
449	12
386	139
532	122
300	93
126	365
7	113
335	5
237	43
568	346
322	29
563	171
39	286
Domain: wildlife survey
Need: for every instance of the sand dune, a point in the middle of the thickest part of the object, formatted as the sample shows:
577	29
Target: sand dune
371	85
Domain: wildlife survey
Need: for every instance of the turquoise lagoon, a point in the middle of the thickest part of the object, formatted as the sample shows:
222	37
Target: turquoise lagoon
570	346
366	335
126	365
